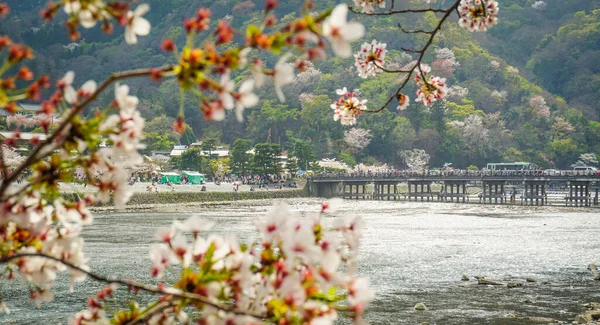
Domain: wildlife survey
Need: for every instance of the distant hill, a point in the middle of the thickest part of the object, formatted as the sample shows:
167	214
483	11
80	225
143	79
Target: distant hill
495	113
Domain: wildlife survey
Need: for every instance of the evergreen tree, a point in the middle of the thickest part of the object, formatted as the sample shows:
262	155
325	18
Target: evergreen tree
240	159
266	158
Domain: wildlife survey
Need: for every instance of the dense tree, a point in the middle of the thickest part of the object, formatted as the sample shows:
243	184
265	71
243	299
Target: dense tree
304	153
158	142
266	158
189	160
240	158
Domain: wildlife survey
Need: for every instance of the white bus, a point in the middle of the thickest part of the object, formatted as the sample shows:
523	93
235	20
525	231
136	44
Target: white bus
512	166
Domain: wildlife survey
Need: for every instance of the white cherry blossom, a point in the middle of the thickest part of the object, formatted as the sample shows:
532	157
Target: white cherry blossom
283	74
69	93
127	103
136	24
340	32
368	6
245	98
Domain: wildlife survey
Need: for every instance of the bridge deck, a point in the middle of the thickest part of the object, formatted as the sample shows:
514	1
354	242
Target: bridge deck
403	179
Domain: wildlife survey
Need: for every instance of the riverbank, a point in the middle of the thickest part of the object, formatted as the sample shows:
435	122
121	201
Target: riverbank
175	201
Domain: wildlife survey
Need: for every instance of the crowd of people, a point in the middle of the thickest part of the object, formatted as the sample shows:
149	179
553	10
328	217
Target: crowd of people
458	173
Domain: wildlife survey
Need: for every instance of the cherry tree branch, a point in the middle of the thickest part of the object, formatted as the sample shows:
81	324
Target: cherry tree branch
414	31
158	308
137	285
33	157
395	12
421	51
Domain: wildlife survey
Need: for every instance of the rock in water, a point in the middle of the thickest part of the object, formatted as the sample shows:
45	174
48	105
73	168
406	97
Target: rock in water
530	280
580	319
541	320
596	276
592	267
514	284
420	306
465	278
489	282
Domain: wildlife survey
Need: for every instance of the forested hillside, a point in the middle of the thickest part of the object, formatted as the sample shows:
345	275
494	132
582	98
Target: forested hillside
526	91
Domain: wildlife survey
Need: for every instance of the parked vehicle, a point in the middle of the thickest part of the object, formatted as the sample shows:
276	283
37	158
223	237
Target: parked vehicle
585	168
551	172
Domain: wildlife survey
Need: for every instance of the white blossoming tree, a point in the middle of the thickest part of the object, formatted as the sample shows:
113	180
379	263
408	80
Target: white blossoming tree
301	271
416	160
357	138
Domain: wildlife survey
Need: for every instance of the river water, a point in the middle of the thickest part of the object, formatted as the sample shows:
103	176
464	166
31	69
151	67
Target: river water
412	252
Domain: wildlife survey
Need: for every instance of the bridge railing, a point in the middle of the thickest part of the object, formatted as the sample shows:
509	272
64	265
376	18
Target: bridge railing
474	175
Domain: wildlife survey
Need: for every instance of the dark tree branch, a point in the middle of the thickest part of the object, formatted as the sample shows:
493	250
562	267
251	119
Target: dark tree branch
33	157
396	12
421	51
414	31
135	284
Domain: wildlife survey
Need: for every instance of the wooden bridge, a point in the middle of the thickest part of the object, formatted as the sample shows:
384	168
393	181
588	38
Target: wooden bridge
582	190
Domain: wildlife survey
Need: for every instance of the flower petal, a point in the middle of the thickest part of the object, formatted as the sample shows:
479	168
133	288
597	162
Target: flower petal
141	9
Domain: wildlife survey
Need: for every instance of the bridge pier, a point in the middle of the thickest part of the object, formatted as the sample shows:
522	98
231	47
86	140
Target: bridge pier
493	190
381	193
579	194
535	191
355	190
423	192
326	189
460	193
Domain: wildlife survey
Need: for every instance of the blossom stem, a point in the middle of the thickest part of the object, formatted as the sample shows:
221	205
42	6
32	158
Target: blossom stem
33	157
421	52
135	284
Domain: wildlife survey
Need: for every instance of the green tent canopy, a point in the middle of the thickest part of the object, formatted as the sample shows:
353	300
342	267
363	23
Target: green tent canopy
170	177
195	177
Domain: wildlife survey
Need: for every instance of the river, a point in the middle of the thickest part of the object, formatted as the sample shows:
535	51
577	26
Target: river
412	252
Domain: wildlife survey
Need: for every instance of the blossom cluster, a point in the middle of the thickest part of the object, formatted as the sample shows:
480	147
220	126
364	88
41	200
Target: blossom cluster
347	107
30	225
430	90
370	59
478	15
87	13
368	6
300	271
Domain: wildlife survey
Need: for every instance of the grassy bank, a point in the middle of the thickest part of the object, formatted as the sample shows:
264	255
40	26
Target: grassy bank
191	197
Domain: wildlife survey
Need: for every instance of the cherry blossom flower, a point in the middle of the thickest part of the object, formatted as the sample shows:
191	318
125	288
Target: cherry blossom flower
478	15
136	24
227	87
161	257
214	110
65	84
71	6
347	107
195	225
283	74
359	292
128	104
85	14
88	88
257	73
368	6
370	58
403	101
340	32
433	90
275	223
245	98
